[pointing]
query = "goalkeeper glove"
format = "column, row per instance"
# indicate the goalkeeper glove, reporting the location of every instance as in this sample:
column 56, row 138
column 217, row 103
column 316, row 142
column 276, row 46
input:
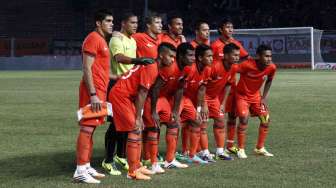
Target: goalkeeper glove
column 142, row 61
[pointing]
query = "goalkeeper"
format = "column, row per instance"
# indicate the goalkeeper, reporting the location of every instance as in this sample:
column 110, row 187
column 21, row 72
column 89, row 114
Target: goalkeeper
column 123, row 52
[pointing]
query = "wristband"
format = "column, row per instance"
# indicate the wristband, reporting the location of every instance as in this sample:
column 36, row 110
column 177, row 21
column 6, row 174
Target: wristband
column 93, row 94
column 198, row 109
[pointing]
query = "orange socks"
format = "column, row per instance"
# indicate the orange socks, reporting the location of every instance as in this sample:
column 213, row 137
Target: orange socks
column 195, row 133
column 204, row 142
column 231, row 132
column 133, row 150
column 242, row 135
column 152, row 145
column 219, row 134
column 171, row 141
column 185, row 138
column 146, row 152
column 263, row 131
column 84, row 145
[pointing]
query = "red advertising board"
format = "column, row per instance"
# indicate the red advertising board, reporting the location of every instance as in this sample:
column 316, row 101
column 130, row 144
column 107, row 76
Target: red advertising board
column 24, row 47
column 5, row 47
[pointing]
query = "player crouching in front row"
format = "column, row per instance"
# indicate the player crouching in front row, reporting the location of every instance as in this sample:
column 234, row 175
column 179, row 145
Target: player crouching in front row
column 250, row 100
column 128, row 97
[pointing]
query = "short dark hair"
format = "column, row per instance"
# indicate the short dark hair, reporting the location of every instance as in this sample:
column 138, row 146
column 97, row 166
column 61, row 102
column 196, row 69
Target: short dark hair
column 164, row 46
column 183, row 48
column 262, row 48
column 224, row 21
column 200, row 50
column 199, row 23
column 150, row 18
column 172, row 17
column 101, row 14
column 127, row 15
column 230, row 47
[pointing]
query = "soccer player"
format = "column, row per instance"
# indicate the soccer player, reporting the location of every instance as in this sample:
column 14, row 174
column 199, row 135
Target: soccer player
column 162, row 107
column 225, row 30
column 148, row 42
column 202, row 34
column 123, row 50
column 175, row 32
column 92, row 90
column 217, row 90
column 128, row 97
column 147, row 45
column 249, row 98
column 194, row 109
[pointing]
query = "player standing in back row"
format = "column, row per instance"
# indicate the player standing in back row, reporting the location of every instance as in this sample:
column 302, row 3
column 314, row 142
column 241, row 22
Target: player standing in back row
column 225, row 30
column 92, row 90
column 123, row 50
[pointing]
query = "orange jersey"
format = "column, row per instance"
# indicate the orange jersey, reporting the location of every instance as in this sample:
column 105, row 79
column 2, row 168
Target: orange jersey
column 146, row 45
column 219, row 78
column 95, row 45
column 194, row 43
column 218, row 46
column 139, row 75
column 166, row 38
column 171, row 75
column 194, row 80
column 252, row 79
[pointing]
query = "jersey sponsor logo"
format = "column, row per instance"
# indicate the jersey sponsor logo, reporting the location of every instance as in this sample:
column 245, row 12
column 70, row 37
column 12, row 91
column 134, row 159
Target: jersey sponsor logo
column 149, row 45
column 220, row 54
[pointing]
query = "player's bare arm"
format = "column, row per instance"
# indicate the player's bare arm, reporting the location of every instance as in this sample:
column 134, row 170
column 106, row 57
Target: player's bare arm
column 154, row 95
column 267, row 87
column 87, row 75
column 202, row 107
column 177, row 101
column 226, row 95
column 139, row 104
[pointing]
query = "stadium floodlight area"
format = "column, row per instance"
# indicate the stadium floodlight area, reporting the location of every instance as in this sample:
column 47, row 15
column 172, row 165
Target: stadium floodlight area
column 292, row 47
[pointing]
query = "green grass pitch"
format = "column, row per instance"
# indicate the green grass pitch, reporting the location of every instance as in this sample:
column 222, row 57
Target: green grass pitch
column 38, row 131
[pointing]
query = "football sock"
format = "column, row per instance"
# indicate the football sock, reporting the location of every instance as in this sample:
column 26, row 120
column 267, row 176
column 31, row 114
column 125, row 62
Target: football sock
column 231, row 132
column 219, row 134
column 133, row 145
column 152, row 145
column 171, row 141
column 195, row 133
column 146, row 153
column 263, row 131
column 204, row 142
column 242, row 135
column 121, row 144
column 84, row 146
column 110, row 142
column 185, row 138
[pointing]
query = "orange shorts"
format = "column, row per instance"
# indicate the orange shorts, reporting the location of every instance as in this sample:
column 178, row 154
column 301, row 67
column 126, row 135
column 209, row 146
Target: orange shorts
column 123, row 108
column 163, row 108
column 84, row 99
column 187, row 109
column 214, row 107
column 244, row 108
